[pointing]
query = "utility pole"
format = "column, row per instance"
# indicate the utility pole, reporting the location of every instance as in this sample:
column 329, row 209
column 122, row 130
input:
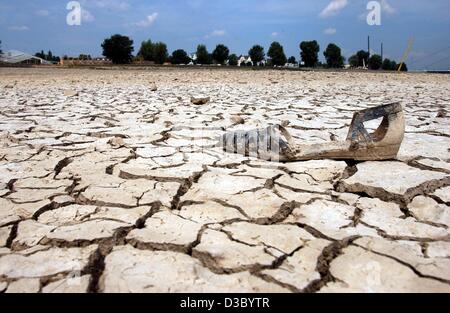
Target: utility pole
column 368, row 45
column 382, row 52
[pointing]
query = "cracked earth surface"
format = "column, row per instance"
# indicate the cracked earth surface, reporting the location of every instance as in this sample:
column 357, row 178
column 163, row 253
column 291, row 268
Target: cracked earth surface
column 109, row 183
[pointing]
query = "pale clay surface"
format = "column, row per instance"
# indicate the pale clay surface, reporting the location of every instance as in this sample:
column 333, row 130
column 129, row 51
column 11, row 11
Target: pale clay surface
column 109, row 183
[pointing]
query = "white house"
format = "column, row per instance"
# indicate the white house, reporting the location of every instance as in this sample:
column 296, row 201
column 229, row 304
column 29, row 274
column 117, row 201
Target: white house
column 243, row 60
column 291, row 65
column 18, row 57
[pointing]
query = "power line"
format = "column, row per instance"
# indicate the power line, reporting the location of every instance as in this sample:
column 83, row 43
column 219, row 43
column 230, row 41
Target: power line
column 426, row 57
column 434, row 63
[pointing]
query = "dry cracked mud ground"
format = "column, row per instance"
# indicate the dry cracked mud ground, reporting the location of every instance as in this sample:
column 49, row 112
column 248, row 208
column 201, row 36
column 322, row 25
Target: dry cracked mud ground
column 108, row 185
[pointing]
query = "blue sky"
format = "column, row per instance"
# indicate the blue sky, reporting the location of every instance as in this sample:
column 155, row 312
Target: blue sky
column 34, row 25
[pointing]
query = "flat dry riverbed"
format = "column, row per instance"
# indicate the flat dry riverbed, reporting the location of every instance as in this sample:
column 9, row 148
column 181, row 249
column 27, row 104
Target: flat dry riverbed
column 108, row 186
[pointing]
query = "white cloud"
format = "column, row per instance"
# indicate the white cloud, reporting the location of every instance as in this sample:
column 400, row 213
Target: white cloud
column 18, row 28
column 330, row 31
column 216, row 33
column 333, row 8
column 42, row 13
column 387, row 7
column 275, row 34
column 86, row 16
column 149, row 20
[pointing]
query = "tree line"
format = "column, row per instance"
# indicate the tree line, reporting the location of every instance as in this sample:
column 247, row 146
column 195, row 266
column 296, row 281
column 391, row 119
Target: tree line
column 83, row 57
column 48, row 57
column 119, row 49
column 374, row 62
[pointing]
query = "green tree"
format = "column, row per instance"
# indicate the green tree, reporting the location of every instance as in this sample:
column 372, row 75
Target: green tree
column 386, row 66
column 389, row 65
column 146, row 50
column 375, row 62
column 292, row 60
column 48, row 57
column 160, row 54
column 333, row 56
column 359, row 59
column 221, row 53
column 257, row 54
column 118, row 49
column 85, row 57
column 353, row 61
column 153, row 52
column 394, row 65
column 233, row 60
column 363, row 57
column 276, row 54
column 203, row 56
column 180, row 57
column 309, row 53
column 41, row 55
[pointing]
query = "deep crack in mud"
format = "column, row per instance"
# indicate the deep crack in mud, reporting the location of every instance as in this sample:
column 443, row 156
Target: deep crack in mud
column 120, row 188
